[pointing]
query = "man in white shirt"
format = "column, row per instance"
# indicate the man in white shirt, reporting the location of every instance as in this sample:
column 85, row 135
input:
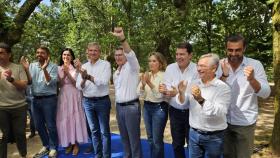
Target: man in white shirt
column 208, row 99
column 94, row 81
column 248, row 80
column 182, row 70
column 127, row 103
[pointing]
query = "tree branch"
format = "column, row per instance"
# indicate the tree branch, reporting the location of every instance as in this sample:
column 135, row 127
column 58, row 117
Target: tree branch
column 14, row 34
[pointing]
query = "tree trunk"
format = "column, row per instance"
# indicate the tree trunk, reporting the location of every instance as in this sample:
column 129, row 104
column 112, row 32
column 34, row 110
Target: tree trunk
column 12, row 34
column 275, row 141
column 163, row 45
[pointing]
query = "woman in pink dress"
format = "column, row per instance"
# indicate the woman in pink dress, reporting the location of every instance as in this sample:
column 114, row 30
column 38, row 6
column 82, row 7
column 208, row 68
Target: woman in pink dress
column 70, row 120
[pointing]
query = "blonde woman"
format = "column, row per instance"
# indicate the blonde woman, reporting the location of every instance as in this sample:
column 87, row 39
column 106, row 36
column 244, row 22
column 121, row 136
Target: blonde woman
column 155, row 109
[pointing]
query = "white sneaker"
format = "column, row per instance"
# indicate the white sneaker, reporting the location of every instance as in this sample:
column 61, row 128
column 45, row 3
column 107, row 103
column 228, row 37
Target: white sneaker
column 52, row 153
column 44, row 151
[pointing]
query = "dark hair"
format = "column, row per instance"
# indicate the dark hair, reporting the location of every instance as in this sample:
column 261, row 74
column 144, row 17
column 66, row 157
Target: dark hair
column 44, row 48
column 160, row 58
column 185, row 45
column 236, row 38
column 119, row 48
column 61, row 62
column 6, row 47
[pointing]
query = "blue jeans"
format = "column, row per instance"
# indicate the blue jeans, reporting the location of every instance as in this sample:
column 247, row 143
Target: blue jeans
column 98, row 117
column 44, row 113
column 155, row 118
column 206, row 145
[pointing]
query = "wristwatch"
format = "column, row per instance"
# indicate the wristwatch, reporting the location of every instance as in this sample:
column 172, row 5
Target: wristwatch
column 201, row 101
column 10, row 79
column 225, row 75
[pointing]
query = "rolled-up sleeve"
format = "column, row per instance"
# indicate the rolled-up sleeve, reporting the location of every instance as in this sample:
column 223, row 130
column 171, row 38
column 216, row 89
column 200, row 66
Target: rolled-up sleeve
column 104, row 78
column 133, row 61
column 220, row 104
column 261, row 77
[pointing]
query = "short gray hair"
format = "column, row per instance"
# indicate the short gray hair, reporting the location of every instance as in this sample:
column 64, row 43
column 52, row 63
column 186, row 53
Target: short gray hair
column 214, row 58
column 94, row 44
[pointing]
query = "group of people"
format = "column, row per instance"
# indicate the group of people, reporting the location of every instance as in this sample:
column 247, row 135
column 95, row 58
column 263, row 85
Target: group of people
column 212, row 105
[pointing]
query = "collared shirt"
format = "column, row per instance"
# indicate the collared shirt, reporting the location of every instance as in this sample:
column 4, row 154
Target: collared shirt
column 10, row 96
column 243, row 110
column 173, row 75
column 152, row 95
column 211, row 116
column 40, row 87
column 101, row 71
column 126, row 79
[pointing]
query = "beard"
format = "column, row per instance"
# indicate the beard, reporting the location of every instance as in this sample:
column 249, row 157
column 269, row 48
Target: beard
column 235, row 59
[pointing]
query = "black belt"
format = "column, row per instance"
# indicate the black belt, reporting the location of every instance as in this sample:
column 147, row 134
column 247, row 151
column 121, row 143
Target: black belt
column 44, row 96
column 207, row 132
column 153, row 103
column 179, row 110
column 97, row 98
column 129, row 102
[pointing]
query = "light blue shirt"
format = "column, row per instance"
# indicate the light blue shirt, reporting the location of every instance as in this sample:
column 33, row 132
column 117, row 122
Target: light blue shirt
column 40, row 87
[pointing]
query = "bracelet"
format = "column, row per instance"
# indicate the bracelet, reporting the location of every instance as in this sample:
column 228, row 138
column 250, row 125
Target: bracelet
column 123, row 40
column 225, row 75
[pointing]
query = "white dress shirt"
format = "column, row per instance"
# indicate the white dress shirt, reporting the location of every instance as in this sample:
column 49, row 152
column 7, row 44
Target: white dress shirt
column 152, row 95
column 211, row 116
column 101, row 71
column 243, row 110
column 126, row 79
column 173, row 75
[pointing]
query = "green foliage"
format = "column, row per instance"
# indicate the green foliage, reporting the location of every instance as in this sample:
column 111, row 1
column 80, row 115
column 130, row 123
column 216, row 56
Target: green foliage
column 148, row 24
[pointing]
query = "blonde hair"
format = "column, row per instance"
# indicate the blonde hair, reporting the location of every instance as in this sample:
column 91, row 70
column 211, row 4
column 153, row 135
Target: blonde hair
column 161, row 59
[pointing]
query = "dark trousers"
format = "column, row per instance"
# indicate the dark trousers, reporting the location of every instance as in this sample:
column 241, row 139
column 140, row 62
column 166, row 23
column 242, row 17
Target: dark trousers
column 13, row 121
column 179, row 123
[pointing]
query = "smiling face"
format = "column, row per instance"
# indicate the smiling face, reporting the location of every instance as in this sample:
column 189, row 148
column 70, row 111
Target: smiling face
column 206, row 70
column 67, row 57
column 93, row 53
column 41, row 55
column 235, row 51
column 154, row 64
column 183, row 58
column 120, row 57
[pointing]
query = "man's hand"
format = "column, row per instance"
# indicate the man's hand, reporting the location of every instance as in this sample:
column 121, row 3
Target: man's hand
column 7, row 73
column 172, row 93
column 46, row 63
column 196, row 92
column 84, row 75
column 225, row 67
column 249, row 73
column 24, row 62
column 118, row 32
column 77, row 64
column 182, row 86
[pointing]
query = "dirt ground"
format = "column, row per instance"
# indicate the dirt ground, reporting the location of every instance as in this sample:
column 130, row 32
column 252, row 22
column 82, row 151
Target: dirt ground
column 262, row 135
